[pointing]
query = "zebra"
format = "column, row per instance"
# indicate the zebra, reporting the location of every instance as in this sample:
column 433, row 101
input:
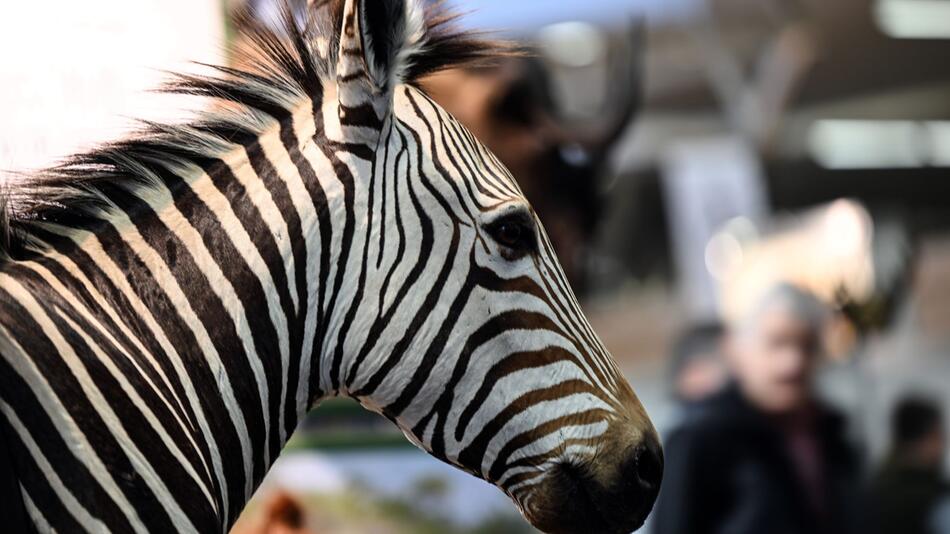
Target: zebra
column 172, row 304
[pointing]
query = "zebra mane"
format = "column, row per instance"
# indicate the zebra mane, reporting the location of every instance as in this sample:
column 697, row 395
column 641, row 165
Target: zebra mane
column 275, row 68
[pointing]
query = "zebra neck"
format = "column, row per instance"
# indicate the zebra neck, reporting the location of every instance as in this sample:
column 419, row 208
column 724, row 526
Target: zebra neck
column 221, row 285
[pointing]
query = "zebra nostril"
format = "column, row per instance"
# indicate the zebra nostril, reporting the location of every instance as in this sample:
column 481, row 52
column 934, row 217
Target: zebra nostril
column 649, row 462
column 646, row 466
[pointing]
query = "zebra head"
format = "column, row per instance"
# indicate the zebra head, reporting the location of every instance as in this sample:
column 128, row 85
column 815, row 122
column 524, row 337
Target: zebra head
column 460, row 326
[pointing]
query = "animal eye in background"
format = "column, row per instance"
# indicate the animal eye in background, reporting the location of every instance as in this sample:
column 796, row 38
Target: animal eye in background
column 574, row 155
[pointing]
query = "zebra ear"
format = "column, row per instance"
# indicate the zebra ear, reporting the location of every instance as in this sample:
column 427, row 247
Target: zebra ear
column 377, row 41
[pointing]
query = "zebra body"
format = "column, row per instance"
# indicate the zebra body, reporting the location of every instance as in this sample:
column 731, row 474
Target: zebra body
column 172, row 305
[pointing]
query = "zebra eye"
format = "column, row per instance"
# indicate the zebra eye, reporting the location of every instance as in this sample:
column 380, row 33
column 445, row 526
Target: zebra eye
column 508, row 234
column 514, row 232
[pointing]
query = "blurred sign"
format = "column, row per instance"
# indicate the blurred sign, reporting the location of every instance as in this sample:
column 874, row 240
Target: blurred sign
column 75, row 73
column 707, row 183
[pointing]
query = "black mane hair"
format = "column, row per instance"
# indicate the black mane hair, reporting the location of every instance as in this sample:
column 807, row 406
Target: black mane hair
column 275, row 69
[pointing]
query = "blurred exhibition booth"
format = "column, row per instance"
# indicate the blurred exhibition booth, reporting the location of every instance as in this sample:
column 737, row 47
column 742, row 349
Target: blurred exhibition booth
column 684, row 154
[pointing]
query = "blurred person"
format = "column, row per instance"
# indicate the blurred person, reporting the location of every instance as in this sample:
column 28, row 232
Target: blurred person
column 764, row 455
column 909, row 493
column 697, row 369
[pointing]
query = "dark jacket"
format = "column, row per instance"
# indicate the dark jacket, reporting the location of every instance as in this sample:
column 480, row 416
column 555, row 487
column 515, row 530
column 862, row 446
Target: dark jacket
column 904, row 498
column 728, row 472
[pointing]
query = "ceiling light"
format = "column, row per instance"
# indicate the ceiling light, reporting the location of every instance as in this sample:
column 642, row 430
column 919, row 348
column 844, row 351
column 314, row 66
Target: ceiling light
column 914, row 19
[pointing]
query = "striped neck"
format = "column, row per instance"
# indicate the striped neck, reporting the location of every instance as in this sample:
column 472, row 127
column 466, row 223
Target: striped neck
column 230, row 282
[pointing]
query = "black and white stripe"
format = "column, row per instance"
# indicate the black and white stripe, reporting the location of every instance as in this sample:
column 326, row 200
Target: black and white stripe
column 173, row 304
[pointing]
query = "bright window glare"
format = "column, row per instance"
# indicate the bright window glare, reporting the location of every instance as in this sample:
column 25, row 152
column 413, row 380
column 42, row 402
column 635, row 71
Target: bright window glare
column 74, row 74
column 914, row 19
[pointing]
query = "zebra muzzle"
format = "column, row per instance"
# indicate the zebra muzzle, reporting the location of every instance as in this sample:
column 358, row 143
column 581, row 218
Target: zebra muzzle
column 573, row 499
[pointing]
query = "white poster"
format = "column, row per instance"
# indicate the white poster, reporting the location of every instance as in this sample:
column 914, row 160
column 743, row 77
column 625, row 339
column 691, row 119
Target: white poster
column 707, row 182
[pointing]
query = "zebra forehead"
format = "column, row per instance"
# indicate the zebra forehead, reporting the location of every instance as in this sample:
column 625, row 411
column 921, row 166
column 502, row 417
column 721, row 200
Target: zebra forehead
column 462, row 151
